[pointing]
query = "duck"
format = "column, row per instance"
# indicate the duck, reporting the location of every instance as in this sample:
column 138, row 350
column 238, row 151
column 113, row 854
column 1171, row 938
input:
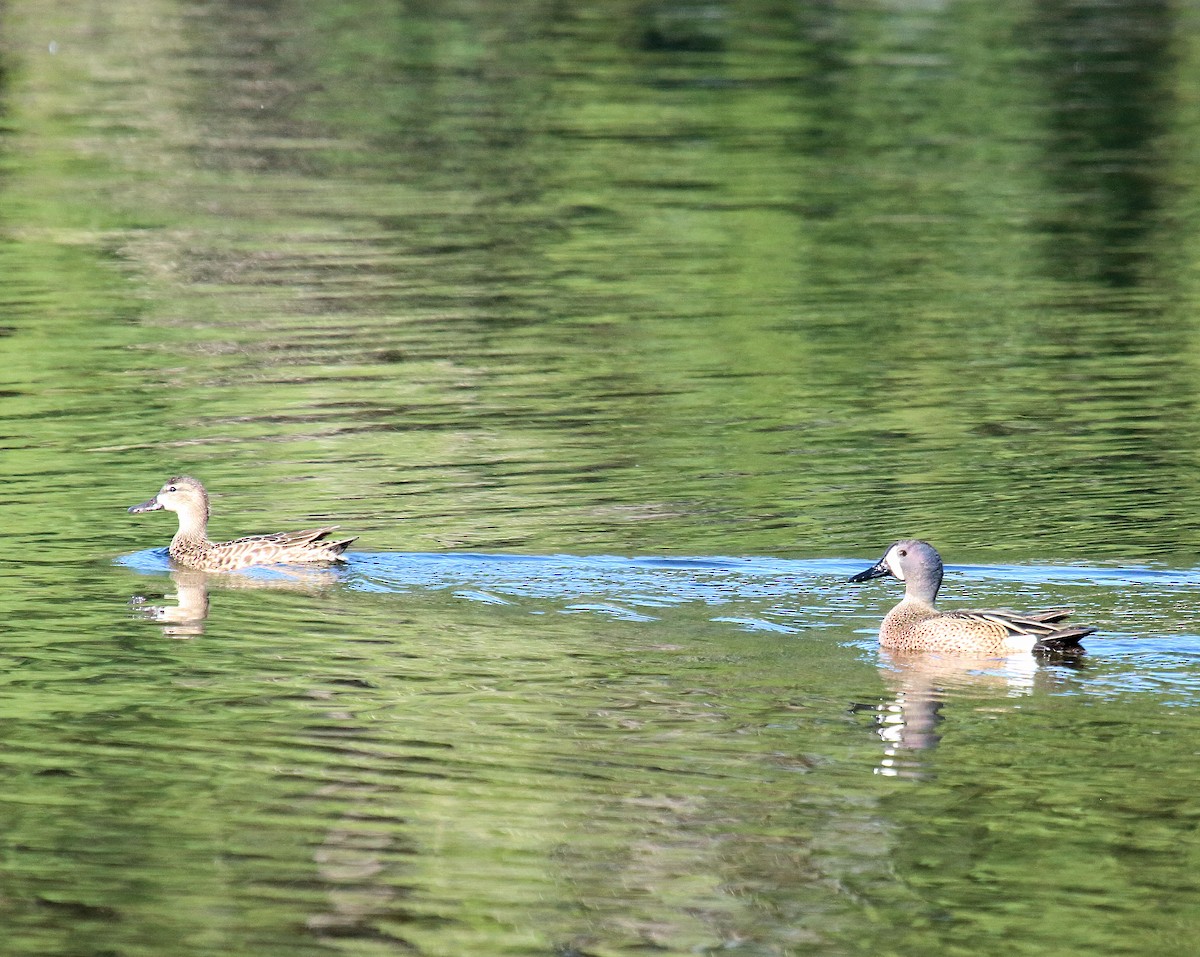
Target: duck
column 916, row 625
column 187, row 497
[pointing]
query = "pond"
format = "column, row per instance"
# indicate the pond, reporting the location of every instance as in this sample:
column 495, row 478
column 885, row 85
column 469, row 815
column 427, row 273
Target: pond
column 621, row 335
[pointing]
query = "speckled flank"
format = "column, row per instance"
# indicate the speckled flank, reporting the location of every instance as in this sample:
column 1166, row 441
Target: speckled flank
column 187, row 497
column 916, row 625
column 282, row 548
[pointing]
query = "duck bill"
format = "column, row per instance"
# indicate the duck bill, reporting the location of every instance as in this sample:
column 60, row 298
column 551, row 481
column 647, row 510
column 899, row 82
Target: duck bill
column 151, row 506
column 878, row 570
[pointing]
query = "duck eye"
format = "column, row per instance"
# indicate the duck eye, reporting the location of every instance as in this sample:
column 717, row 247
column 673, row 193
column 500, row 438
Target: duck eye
column 902, row 553
column 172, row 488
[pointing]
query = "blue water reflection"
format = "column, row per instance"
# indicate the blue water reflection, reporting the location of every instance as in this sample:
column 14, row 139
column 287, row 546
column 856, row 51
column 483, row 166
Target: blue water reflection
column 770, row 594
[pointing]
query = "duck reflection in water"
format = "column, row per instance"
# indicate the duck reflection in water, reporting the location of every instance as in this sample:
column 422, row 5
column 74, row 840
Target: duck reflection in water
column 185, row 618
column 924, row 687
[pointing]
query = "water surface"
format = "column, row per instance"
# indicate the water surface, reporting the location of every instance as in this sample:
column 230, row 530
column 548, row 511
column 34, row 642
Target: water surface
column 621, row 335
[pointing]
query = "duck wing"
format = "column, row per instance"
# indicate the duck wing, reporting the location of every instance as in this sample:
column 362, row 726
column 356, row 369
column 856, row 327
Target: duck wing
column 1042, row 626
column 309, row 545
column 301, row 539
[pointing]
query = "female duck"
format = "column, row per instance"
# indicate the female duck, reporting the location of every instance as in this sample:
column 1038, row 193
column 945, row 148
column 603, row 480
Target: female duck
column 916, row 625
column 187, row 498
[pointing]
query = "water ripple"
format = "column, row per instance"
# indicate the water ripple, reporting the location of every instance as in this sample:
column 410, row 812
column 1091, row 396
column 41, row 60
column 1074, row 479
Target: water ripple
column 1140, row 610
column 662, row 582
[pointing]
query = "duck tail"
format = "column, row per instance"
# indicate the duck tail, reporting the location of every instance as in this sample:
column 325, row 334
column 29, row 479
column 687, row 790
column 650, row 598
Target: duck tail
column 1065, row 641
column 340, row 546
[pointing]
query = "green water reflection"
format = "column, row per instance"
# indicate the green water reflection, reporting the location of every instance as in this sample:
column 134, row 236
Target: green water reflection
column 661, row 279
column 839, row 255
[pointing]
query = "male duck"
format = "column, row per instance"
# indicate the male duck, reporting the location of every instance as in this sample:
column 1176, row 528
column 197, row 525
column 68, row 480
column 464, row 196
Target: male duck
column 915, row 625
column 186, row 497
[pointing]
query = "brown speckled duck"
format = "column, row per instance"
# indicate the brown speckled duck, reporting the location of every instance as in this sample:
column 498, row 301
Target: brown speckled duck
column 187, row 498
column 916, row 625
